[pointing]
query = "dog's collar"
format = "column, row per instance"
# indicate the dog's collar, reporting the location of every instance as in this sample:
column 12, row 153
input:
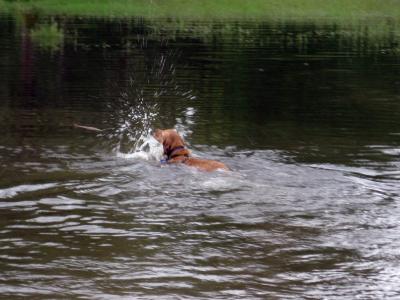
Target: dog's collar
column 170, row 153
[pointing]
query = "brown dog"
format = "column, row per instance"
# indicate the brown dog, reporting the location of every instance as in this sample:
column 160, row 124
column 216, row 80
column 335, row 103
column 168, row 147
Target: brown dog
column 176, row 152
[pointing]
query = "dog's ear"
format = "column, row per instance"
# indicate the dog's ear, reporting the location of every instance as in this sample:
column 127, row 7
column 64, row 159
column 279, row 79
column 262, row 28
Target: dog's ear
column 172, row 139
column 176, row 139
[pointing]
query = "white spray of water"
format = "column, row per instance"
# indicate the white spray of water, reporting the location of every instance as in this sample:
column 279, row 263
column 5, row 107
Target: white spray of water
column 150, row 149
column 144, row 101
column 184, row 123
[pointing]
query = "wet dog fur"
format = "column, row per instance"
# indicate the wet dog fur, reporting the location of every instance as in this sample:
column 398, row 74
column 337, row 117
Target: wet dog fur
column 175, row 151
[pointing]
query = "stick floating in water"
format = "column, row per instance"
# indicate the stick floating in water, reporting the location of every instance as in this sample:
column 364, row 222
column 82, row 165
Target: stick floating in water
column 87, row 127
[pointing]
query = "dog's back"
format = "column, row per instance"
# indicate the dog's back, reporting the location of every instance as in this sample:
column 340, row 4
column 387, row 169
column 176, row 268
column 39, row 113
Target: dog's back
column 206, row 164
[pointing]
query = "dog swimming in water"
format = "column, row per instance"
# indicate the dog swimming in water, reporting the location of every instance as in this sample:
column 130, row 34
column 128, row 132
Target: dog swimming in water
column 175, row 152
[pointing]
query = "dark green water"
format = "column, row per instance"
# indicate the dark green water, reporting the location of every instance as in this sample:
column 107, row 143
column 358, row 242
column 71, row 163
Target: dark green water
column 307, row 116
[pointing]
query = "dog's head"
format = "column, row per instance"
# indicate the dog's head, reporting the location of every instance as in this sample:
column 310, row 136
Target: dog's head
column 169, row 138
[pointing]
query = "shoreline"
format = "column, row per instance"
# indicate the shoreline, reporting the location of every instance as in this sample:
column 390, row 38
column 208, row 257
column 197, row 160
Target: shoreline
column 285, row 10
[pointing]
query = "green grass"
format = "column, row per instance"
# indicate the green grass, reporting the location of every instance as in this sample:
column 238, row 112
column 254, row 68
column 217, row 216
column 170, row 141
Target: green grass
column 379, row 19
column 48, row 36
column 215, row 9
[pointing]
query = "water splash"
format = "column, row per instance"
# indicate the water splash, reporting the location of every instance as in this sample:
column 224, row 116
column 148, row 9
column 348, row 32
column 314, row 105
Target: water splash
column 184, row 123
column 150, row 149
column 147, row 100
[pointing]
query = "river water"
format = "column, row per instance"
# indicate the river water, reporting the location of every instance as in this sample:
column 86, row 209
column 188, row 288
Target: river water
column 307, row 116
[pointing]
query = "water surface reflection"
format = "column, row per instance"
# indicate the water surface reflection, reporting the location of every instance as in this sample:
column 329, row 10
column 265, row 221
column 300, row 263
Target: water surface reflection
column 305, row 116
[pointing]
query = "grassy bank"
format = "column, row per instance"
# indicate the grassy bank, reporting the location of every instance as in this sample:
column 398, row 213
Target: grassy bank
column 47, row 36
column 212, row 9
column 375, row 22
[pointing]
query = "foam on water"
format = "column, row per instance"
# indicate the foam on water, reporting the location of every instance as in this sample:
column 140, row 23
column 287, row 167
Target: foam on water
column 149, row 149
